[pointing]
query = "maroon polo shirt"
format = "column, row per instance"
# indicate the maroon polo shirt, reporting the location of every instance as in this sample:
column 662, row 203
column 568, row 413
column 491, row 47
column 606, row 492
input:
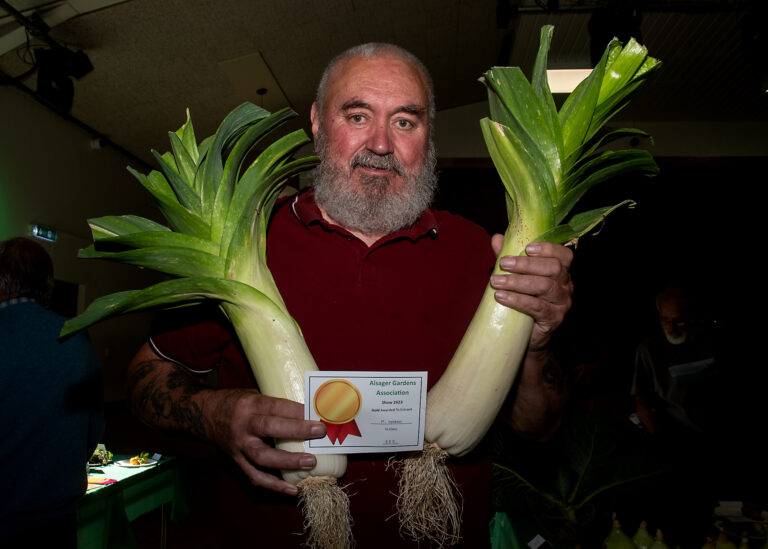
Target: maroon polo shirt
column 403, row 304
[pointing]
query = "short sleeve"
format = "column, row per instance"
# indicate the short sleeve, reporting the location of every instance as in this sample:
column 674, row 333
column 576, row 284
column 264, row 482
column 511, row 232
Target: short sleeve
column 200, row 339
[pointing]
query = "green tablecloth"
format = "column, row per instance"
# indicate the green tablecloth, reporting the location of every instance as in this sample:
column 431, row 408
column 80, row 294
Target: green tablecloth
column 105, row 513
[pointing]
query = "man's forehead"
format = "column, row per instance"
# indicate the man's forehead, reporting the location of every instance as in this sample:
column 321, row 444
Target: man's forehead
column 351, row 78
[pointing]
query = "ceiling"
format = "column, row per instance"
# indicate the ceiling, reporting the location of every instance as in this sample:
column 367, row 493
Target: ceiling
column 152, row 60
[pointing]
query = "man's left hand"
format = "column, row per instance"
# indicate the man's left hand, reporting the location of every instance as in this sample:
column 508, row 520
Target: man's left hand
column 537, row 284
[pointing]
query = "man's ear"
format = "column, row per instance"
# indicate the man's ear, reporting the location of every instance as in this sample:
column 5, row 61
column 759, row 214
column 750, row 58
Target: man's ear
column 314, row 117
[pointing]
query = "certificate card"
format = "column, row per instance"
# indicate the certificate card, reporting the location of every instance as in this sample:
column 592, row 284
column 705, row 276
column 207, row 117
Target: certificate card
column 366, row 412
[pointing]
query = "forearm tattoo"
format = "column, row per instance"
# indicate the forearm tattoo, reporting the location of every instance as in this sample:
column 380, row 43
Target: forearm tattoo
column 166, row 399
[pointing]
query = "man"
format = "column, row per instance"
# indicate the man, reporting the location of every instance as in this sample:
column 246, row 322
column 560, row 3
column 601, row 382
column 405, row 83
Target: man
column 50, row 406
column 377, row 281
column 676, row 377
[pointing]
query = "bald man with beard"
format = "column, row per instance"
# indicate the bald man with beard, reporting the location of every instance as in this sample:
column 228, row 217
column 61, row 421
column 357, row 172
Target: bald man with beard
column 378, row 281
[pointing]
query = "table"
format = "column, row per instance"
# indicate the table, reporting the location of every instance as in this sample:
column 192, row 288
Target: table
column 105, row 512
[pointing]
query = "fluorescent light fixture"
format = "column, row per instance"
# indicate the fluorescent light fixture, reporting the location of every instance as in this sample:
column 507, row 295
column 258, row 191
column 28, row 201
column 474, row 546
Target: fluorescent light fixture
column 565, row 80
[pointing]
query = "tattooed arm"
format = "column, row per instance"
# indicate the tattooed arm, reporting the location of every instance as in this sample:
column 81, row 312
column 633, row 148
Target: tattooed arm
column 237, row 420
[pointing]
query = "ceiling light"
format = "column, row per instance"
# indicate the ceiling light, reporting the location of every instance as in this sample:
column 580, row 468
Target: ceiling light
column 565, row 80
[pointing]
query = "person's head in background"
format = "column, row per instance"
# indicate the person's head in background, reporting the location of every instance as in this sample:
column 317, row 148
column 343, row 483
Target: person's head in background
column 673, row 307
column 26, row 270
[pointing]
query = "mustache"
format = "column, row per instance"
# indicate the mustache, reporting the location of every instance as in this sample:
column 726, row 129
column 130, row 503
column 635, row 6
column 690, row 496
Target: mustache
column 368, row 159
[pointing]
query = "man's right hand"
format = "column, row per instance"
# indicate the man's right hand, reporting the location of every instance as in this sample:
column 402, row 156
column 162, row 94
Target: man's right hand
column 237, row 420
column 243, row 418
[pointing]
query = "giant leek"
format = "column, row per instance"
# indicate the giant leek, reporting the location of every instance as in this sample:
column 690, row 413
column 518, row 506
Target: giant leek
column 546, row 159
column 217, row 208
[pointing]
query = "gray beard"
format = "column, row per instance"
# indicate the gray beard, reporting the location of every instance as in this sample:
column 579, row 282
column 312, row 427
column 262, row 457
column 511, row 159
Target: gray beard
column 378, row 209
column 676, row 339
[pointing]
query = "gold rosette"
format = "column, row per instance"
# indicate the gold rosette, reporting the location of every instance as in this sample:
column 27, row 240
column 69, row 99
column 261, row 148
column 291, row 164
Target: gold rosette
column 337, row 402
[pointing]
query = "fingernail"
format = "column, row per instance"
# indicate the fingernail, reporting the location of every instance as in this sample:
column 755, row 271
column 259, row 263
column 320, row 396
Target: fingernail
column 508, row 262
column 533, row 248
column 496, row 280
column 317, row 430
column 307, row 462
column 292, row 491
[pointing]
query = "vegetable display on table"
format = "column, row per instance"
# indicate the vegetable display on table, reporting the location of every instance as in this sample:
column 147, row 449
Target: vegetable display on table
column 217, row 209
column 101, row 457
column 547, row 160
column 140, row 459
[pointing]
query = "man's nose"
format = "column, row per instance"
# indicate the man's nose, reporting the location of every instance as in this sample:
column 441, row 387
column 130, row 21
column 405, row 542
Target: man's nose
column 379, row 141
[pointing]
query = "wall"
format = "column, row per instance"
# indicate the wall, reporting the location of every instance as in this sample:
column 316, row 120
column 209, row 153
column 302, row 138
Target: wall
column 49, row 174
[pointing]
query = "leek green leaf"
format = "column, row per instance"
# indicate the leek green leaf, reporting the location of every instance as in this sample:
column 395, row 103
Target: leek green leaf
column 520, row 107
column 165, row 259
column 178, row 217
column 621, row 69
column 618, row 163
column 156, row 238
column 114, row 225
column 167, row 293
column 186, row 133
column 252, row 181
column 185, row 164
column 156, row 184
column 230, row 267
column 525, row 176
column 547, row 162
column 579, row 225
column 233, row 125
column 578, row 109
column 233, row 167
column 185, row 194
column 604, row 138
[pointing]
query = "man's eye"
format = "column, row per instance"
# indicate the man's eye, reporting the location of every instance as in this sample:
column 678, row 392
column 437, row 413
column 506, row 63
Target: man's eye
column 404, row 124
column 357, row 118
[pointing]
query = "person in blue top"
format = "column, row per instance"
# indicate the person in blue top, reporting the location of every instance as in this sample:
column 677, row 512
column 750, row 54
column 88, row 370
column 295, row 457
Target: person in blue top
column 51, row 413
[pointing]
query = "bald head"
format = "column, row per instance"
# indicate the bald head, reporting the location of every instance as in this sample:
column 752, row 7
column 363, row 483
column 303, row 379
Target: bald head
column 376, row 50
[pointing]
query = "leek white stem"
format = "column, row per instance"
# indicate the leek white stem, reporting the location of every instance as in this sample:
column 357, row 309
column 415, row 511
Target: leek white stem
column 479, row 376
column 279, row 357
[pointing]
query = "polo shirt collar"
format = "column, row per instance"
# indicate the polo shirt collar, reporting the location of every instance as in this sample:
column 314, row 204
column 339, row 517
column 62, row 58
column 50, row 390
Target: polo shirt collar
column 305, row 209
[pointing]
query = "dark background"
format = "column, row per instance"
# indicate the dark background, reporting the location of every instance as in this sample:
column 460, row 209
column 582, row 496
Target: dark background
column 695, row 223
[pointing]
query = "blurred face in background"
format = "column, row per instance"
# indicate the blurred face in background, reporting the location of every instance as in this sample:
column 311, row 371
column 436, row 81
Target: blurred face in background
column 673, row 322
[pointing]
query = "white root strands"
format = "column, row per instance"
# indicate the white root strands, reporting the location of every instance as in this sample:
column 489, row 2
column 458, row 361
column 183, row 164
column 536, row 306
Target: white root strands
column 429, row 502
column 327, row 521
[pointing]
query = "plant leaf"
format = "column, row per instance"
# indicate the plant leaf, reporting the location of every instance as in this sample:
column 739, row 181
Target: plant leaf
column 233, row 125
column 607, row 166
column 525, row 176
column 166, row 238
column 580, row 224
column 578, row 109
column 251, row 190
column 114, row 225
column 602, row 139
column 185, row 164
column 252, row 136
column 187, row 135
column 169, row 293
column 185, row 194
column 166, row 259
column 179, row 218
